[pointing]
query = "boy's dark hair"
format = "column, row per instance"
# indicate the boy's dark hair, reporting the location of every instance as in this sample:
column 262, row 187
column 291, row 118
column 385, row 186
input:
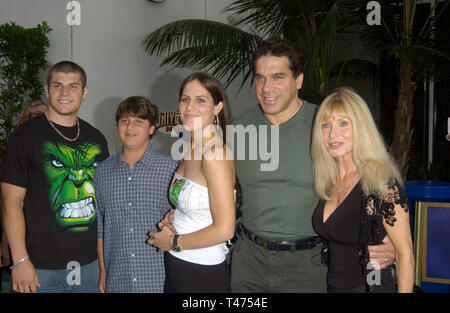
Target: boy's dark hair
column 67, row 67
column 140, row 107
column 280, row 47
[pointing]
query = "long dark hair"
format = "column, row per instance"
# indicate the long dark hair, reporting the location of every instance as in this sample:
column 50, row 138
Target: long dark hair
column 217, row 92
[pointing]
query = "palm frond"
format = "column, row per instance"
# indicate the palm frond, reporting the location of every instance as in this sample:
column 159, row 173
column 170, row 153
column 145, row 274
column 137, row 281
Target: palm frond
column 202, row 44
column 226, row 50
column 430, row 62
column 356, row 69
column 332, row 19
column 391, row 30
column 432, row 18
column 263, row 16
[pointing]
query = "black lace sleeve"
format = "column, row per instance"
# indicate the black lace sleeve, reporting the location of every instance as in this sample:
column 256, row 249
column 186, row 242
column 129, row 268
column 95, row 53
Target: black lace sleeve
column 396, row 196
column 384, row 205
column 375, row 208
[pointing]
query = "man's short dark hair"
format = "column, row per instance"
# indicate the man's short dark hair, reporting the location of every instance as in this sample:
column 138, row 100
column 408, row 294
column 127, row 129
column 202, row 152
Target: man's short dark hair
column 140, row 107
column 67, row 67
column 280, row 47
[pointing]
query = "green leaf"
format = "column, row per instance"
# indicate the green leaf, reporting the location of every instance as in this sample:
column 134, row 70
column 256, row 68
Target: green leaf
column 203, row 44
column 23, row 54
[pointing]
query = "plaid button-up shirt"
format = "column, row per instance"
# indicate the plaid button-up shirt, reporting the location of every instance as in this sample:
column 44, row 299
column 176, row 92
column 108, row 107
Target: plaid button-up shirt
column 130, row 203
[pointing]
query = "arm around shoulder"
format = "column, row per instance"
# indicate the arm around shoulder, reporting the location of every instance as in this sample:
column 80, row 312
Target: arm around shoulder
column 220, row 178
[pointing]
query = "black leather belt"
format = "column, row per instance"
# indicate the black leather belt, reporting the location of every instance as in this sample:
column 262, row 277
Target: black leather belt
column 282, row 245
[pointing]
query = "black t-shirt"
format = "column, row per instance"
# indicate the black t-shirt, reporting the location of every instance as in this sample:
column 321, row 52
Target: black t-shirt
column 59, row 205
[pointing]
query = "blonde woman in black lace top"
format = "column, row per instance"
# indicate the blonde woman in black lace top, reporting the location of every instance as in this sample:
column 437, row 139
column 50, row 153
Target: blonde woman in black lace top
column 362, row 197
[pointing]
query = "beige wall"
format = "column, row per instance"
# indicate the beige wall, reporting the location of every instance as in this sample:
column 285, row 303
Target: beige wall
column 108, row 45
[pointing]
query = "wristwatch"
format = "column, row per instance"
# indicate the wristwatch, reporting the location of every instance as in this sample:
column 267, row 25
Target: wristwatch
column 175, row 246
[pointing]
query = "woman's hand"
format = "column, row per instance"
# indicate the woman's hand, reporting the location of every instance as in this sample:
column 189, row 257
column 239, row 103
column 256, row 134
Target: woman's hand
column 167, row 221
column 163, row 239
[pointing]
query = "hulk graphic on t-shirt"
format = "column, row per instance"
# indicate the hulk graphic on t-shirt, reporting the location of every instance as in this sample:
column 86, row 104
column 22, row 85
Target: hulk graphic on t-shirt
column 69, row 172
column 175, row 189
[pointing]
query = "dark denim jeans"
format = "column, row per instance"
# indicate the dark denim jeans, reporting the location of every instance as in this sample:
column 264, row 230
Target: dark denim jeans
column 83, row 279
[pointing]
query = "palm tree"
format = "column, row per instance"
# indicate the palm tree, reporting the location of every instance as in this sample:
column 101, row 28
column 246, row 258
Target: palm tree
column 420, row 55
column 225, row 50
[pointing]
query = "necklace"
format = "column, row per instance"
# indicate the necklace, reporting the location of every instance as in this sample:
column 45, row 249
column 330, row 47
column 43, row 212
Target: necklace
column 68, row 139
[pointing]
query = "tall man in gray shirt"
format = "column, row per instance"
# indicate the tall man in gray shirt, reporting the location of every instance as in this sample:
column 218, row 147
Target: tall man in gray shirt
column 278, row 251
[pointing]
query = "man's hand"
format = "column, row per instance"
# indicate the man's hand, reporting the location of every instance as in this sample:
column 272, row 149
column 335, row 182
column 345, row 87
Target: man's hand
column 167, row 221
column 383, row 254
column 162, row 240
column 24, row 278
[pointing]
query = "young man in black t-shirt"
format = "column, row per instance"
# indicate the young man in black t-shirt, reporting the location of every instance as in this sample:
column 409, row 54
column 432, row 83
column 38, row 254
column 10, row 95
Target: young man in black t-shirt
column 48, row 191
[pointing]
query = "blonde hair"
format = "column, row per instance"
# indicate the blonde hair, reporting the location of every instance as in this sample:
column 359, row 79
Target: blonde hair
column 373, row 162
